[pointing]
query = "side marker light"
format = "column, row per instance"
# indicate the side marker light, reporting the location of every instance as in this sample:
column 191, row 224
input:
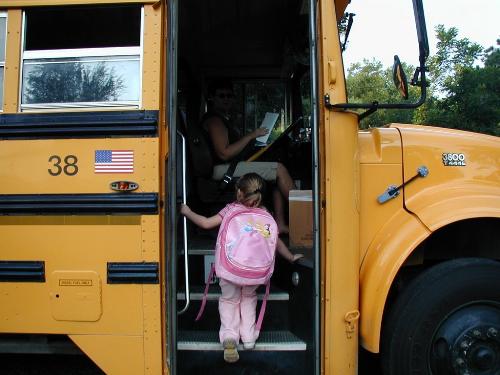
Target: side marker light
column 123, row 186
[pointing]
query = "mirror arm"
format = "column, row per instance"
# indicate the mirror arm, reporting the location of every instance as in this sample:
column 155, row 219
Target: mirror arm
column 348, row 30
column 368, row 112
column 414, row 81
column 423, row 45
column 373, row 106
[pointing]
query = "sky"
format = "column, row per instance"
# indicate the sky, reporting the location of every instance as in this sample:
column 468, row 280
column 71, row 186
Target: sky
column 383, row 28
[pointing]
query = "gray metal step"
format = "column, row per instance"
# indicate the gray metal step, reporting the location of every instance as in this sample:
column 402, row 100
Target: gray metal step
column 199, row 252
column 268, row 341
column 196, row 293
column 199, row 246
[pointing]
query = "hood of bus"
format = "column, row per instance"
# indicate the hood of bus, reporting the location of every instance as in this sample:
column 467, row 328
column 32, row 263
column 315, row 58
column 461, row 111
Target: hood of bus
column 463, row 177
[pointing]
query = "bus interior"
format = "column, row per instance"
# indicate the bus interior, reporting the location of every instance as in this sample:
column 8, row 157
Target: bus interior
column 263, row 48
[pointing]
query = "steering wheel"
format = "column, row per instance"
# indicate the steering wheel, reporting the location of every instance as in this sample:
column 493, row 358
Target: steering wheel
column 277, row 141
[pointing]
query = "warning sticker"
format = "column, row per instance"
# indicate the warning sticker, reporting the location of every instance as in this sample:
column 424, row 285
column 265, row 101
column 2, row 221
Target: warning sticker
column 75, row 282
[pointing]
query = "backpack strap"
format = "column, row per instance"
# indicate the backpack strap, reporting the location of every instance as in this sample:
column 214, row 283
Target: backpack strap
column 204, row 300
column 263, row 306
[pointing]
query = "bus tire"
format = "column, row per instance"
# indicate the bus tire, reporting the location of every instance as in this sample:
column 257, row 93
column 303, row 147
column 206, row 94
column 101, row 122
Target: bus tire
column 447, row 321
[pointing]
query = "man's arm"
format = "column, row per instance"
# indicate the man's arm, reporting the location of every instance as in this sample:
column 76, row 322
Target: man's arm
column 220, row 139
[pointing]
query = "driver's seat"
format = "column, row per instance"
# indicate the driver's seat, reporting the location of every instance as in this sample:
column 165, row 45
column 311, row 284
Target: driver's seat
column 201, row 166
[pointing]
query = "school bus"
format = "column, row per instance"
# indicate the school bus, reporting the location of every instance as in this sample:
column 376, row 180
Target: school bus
column 101, row 100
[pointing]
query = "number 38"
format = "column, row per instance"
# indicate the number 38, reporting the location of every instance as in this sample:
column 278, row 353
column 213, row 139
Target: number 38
column 69, row 168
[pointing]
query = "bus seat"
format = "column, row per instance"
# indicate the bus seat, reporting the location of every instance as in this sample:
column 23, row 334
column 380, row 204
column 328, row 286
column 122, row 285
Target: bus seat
column 201, row 166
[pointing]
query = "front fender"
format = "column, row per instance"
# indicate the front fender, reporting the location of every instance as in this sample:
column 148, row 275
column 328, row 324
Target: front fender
column 448, row 194
column 452, row 202
column 396, row 241
column 388, row 251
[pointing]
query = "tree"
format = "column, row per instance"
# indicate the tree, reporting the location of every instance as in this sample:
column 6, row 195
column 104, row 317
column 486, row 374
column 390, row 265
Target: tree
column 474, row 98
column 452, row 56
column 462, row 96
column 369, row 81
column 71, row 82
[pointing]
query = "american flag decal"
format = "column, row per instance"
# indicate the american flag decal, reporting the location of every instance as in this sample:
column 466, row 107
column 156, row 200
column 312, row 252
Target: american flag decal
column 114, row 161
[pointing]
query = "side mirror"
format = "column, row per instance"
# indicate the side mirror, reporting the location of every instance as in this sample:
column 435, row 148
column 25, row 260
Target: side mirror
column 399, row 78
column 398, row 74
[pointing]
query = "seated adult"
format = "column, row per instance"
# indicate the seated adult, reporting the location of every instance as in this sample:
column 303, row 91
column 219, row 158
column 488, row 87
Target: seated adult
column 226, row 144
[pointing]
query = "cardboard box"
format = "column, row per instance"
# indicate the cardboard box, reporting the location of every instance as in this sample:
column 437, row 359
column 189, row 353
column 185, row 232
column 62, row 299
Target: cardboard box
column 300, row 219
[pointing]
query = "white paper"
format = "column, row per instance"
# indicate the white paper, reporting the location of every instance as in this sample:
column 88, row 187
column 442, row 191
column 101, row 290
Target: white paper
column 268, row 123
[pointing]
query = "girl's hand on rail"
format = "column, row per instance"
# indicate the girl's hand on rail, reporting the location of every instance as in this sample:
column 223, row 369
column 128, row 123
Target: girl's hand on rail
column 185, row 210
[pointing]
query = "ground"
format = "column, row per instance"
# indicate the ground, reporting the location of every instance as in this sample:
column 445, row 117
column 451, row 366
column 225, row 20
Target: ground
column 79, row 365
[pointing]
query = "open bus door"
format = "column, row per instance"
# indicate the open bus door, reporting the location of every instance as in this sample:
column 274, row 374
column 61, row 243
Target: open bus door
column 290, row 339
column 339, row 186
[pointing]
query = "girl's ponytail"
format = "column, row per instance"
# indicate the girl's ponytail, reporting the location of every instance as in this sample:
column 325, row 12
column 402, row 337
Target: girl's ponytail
column 251, row 187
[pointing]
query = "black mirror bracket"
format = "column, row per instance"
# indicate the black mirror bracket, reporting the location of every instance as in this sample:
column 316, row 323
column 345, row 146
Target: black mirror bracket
column 415, row 79
column 369, row 111
column 373, row 106
column 418, row 78
column 370, row 108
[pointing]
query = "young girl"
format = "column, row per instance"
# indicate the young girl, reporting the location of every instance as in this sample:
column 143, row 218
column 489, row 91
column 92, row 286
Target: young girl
column 237, row 303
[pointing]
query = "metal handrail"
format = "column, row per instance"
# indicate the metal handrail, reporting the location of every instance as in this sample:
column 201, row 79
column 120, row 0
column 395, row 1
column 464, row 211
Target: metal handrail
column 184, row 223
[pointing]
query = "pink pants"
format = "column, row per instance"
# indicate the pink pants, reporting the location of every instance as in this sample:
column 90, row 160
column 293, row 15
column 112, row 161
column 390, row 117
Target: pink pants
column 237, row 306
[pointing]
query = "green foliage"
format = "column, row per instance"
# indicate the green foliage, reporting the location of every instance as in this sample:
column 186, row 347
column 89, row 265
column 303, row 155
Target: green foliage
column 461, row 95
column 465, row 97
column 474, row 101
column 452, row 56
column 71, row 82
column 369, row 81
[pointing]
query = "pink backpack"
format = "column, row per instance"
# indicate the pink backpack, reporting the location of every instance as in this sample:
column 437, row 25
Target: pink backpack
column 246, row 245
column 245, row 250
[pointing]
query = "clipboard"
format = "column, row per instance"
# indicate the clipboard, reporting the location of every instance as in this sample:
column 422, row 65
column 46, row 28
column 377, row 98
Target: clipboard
column 269, row 121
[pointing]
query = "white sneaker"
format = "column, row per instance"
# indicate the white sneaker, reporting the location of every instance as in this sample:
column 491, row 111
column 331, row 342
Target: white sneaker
column 249, row 345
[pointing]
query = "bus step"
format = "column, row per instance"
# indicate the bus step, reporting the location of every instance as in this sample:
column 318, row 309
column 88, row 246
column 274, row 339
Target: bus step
column 199, row 246
column 198, row 251
column 268, row 341
column 196, row 294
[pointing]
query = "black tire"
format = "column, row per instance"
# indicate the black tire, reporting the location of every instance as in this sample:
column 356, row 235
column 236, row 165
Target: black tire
column 446, row 322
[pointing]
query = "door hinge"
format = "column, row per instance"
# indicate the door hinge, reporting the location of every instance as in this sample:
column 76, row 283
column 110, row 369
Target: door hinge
column 351, row 322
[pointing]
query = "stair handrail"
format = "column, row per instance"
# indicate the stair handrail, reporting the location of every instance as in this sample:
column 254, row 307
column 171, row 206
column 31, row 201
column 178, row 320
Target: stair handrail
column 184, row 224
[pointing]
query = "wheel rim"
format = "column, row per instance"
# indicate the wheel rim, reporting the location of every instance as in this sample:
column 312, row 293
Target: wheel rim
column 467, row 342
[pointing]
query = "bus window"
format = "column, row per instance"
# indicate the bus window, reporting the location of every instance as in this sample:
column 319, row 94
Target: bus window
column 254, row 98
column 67, row 63
column 3, row 33
column 305, row 97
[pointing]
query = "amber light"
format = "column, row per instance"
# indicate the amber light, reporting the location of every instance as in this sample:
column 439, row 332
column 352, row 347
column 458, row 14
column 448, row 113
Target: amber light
column 123, row 186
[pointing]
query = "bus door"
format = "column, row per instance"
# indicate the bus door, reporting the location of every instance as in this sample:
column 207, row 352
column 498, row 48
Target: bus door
column 239, row 40
column 339, row 186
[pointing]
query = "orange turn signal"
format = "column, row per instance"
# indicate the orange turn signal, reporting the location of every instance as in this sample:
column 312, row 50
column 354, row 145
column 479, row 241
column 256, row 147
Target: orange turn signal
column 123, row 186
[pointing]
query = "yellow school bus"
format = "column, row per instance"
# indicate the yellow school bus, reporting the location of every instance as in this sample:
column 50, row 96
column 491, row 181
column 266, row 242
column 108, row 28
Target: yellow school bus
column 100, row 105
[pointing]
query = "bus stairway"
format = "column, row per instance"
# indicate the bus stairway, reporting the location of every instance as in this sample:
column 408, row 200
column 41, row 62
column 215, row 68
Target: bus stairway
column 206, row 335
column 278, row 346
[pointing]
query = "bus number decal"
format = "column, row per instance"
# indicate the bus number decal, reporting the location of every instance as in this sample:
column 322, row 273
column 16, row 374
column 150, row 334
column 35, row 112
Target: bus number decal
column 69, row 167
